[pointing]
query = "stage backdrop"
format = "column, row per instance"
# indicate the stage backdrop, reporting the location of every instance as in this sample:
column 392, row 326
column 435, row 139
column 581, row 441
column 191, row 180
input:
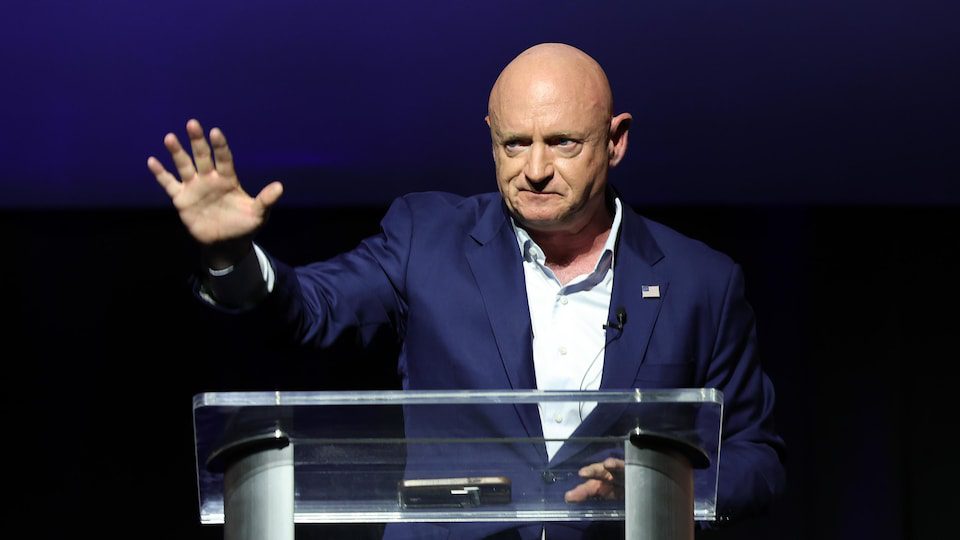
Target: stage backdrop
column 745, row 101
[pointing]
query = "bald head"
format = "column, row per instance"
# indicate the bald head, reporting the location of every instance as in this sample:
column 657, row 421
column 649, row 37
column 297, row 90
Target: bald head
column 553, row 71
column 554, row 137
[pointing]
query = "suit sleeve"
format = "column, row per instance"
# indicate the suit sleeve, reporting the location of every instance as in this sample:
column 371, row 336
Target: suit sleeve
column 751, row 471
column 361, row 290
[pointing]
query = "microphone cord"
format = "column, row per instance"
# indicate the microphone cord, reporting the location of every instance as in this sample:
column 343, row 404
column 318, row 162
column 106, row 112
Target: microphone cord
column 621, row 320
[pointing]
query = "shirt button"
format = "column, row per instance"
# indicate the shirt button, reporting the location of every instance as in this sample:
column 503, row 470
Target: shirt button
column 563, row 300
column 563, row 350
column 558, row 418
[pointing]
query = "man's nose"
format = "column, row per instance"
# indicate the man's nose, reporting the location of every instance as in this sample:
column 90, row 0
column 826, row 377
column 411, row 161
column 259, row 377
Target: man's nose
column 539, row 167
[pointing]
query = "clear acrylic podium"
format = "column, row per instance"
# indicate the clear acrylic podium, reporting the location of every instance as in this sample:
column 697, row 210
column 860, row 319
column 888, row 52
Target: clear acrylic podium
column 266, row 460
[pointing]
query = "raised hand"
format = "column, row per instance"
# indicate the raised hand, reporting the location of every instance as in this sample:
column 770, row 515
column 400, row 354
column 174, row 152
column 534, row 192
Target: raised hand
column 604, row 481
column 216, row 210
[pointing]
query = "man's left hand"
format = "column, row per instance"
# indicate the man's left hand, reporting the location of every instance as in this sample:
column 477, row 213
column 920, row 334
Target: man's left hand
column 604, row 482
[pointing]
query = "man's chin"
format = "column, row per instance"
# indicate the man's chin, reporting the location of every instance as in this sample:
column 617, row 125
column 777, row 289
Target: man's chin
column 541, row 213
column 541, row 221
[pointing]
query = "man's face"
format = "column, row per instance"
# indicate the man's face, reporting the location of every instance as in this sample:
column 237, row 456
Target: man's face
column 550, row 147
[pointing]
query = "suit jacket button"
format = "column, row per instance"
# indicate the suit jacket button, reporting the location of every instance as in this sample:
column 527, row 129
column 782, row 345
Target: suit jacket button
column 549, row 477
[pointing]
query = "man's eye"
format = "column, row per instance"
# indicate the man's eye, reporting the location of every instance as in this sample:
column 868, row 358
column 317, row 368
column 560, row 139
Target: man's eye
column 565, row 142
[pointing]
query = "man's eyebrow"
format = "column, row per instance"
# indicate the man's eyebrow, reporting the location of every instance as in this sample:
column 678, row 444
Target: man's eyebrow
column 565, row 135
column 510, row 136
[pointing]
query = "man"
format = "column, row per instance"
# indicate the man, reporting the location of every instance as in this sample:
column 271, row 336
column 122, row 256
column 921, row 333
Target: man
column 514, row 289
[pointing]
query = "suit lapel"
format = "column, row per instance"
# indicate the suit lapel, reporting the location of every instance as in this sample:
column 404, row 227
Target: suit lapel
column 497, row 267
column 636, row 255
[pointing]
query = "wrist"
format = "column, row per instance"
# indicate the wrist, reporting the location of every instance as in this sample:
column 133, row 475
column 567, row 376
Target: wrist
column 226, row 254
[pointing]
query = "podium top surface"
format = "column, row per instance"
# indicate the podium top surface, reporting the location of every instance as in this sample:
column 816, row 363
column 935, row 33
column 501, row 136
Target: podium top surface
column 413, row 397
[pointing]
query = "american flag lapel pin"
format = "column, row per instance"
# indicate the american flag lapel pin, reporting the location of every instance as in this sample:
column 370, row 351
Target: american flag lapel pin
column 650, row 291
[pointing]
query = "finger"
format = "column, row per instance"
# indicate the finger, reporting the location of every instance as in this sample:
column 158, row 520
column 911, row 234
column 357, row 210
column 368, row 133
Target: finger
column 613, row 465
column 181, row 159
column 584, row 491
column 164, row 178
column 269, row 195
column 201, row 150
column 596, row 470
column 221, row 153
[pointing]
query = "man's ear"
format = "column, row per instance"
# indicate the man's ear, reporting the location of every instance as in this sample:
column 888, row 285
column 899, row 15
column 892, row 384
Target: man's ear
column 487, row 120
column 619, row 128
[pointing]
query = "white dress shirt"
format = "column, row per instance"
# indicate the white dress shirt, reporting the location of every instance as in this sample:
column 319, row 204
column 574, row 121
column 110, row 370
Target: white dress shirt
column 568, row 334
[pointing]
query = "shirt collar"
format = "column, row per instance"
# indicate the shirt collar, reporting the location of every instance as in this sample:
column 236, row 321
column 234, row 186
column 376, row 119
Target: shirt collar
column 532, row 252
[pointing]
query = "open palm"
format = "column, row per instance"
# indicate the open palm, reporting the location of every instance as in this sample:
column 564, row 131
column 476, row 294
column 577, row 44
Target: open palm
column 213, row 206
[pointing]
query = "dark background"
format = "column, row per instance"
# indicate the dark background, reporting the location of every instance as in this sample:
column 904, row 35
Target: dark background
column 106, row 347
column 815, row 142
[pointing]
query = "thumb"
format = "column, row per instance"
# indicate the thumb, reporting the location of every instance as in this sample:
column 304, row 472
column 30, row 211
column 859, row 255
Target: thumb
column 269, row 195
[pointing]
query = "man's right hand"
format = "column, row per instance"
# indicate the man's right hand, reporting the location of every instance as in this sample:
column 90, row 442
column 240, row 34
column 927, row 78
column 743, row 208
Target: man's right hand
column 216, row 210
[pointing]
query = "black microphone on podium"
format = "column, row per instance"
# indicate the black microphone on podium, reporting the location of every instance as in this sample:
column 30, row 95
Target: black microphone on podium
column 621, row 320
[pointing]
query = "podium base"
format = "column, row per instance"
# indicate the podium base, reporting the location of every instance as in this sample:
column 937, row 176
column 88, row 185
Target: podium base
column 658, row 489
column 258, row 496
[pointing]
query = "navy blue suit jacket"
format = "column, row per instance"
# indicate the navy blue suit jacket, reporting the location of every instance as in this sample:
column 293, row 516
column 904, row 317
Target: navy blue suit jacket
column 446, row 273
